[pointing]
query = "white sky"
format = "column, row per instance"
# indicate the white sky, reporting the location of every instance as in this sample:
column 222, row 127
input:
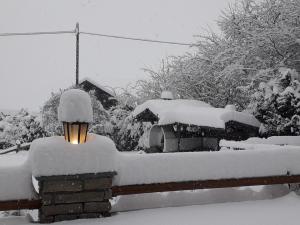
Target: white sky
column 32, row 67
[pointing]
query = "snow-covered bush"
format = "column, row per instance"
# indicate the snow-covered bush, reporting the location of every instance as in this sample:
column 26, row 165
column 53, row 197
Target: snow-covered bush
column 21, row 126
column 277, row 104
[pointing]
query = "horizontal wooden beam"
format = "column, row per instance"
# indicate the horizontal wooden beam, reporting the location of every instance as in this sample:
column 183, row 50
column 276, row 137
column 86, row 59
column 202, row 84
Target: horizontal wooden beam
column 20, row 204
column 203, row 184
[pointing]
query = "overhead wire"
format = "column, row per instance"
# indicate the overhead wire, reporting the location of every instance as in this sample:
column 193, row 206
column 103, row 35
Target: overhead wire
column 36, row 33
column 136, row 39
column 96, row 34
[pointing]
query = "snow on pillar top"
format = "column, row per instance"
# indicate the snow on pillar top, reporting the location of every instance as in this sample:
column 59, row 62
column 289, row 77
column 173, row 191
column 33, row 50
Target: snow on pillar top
column 167, row 95
column 75, row 106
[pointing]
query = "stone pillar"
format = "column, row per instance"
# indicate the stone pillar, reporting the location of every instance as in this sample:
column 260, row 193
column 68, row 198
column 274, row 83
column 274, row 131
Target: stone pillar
column 69, row 197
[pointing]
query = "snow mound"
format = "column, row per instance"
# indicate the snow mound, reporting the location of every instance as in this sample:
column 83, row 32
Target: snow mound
column 194, row 112
column 188, row 166
column 275, row 140
column 75, row 106
column 55, row 156
column 15, row 177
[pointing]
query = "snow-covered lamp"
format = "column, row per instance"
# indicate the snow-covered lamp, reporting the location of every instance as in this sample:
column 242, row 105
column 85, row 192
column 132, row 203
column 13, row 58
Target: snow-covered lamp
column 75, row 112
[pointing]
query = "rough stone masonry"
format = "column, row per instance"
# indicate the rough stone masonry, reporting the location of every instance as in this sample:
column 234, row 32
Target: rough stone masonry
column 68, row 197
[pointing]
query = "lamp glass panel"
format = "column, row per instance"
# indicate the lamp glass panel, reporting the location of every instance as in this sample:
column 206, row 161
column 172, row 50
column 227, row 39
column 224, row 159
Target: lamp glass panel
column 66, row 131
column 83, row 132
column 75, row 133
column 74, row 129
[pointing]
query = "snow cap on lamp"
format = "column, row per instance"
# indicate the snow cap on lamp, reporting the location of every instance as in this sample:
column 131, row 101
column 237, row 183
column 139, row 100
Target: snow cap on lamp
column 75, row 106
column 75, row 111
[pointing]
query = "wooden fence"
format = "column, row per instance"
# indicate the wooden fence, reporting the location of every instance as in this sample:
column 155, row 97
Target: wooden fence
column 20, row 204
column 203, row 184
column 167, row 187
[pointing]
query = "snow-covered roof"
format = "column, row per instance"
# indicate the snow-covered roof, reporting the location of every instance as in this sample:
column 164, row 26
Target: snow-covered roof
column 108, row 91
column 75, row 106
column 193, row 112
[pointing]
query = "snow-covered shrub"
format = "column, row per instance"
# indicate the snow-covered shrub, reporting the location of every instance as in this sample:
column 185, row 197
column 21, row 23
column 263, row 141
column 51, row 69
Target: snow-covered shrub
column 21, row 126
column 277, row 104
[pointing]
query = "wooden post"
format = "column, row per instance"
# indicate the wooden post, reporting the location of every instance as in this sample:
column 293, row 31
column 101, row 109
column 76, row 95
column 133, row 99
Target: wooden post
column 18, row 146
column 77, row 53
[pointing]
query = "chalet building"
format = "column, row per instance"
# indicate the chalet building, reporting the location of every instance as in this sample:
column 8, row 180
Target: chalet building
column 103, row 94
column 191, row 125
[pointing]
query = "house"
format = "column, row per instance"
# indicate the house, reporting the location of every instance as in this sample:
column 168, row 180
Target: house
column 103, row 94
column 191, row 125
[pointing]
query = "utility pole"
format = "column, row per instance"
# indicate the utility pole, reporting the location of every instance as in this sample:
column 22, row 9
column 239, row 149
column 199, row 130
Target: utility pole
column 77, row 53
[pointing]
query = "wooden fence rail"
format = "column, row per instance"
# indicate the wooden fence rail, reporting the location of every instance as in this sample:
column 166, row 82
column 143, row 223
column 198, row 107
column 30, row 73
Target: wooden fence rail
column 203, row 184
column 166, row 187
column 20, row 204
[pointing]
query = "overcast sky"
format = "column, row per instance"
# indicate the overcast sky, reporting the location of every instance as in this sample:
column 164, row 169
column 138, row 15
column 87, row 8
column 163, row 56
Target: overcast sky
column 32, row 67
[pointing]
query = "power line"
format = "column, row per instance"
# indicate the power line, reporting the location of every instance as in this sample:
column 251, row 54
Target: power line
column 95, row 34
column 36, row 33
column 138, row 39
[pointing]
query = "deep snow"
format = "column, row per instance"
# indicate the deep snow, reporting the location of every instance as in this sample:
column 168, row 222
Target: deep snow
column 55, row 156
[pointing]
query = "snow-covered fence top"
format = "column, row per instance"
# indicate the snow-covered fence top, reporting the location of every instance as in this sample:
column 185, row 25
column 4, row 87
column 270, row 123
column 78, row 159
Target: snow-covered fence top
column 55, row 156
column 193, row 112
column 192, row 166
